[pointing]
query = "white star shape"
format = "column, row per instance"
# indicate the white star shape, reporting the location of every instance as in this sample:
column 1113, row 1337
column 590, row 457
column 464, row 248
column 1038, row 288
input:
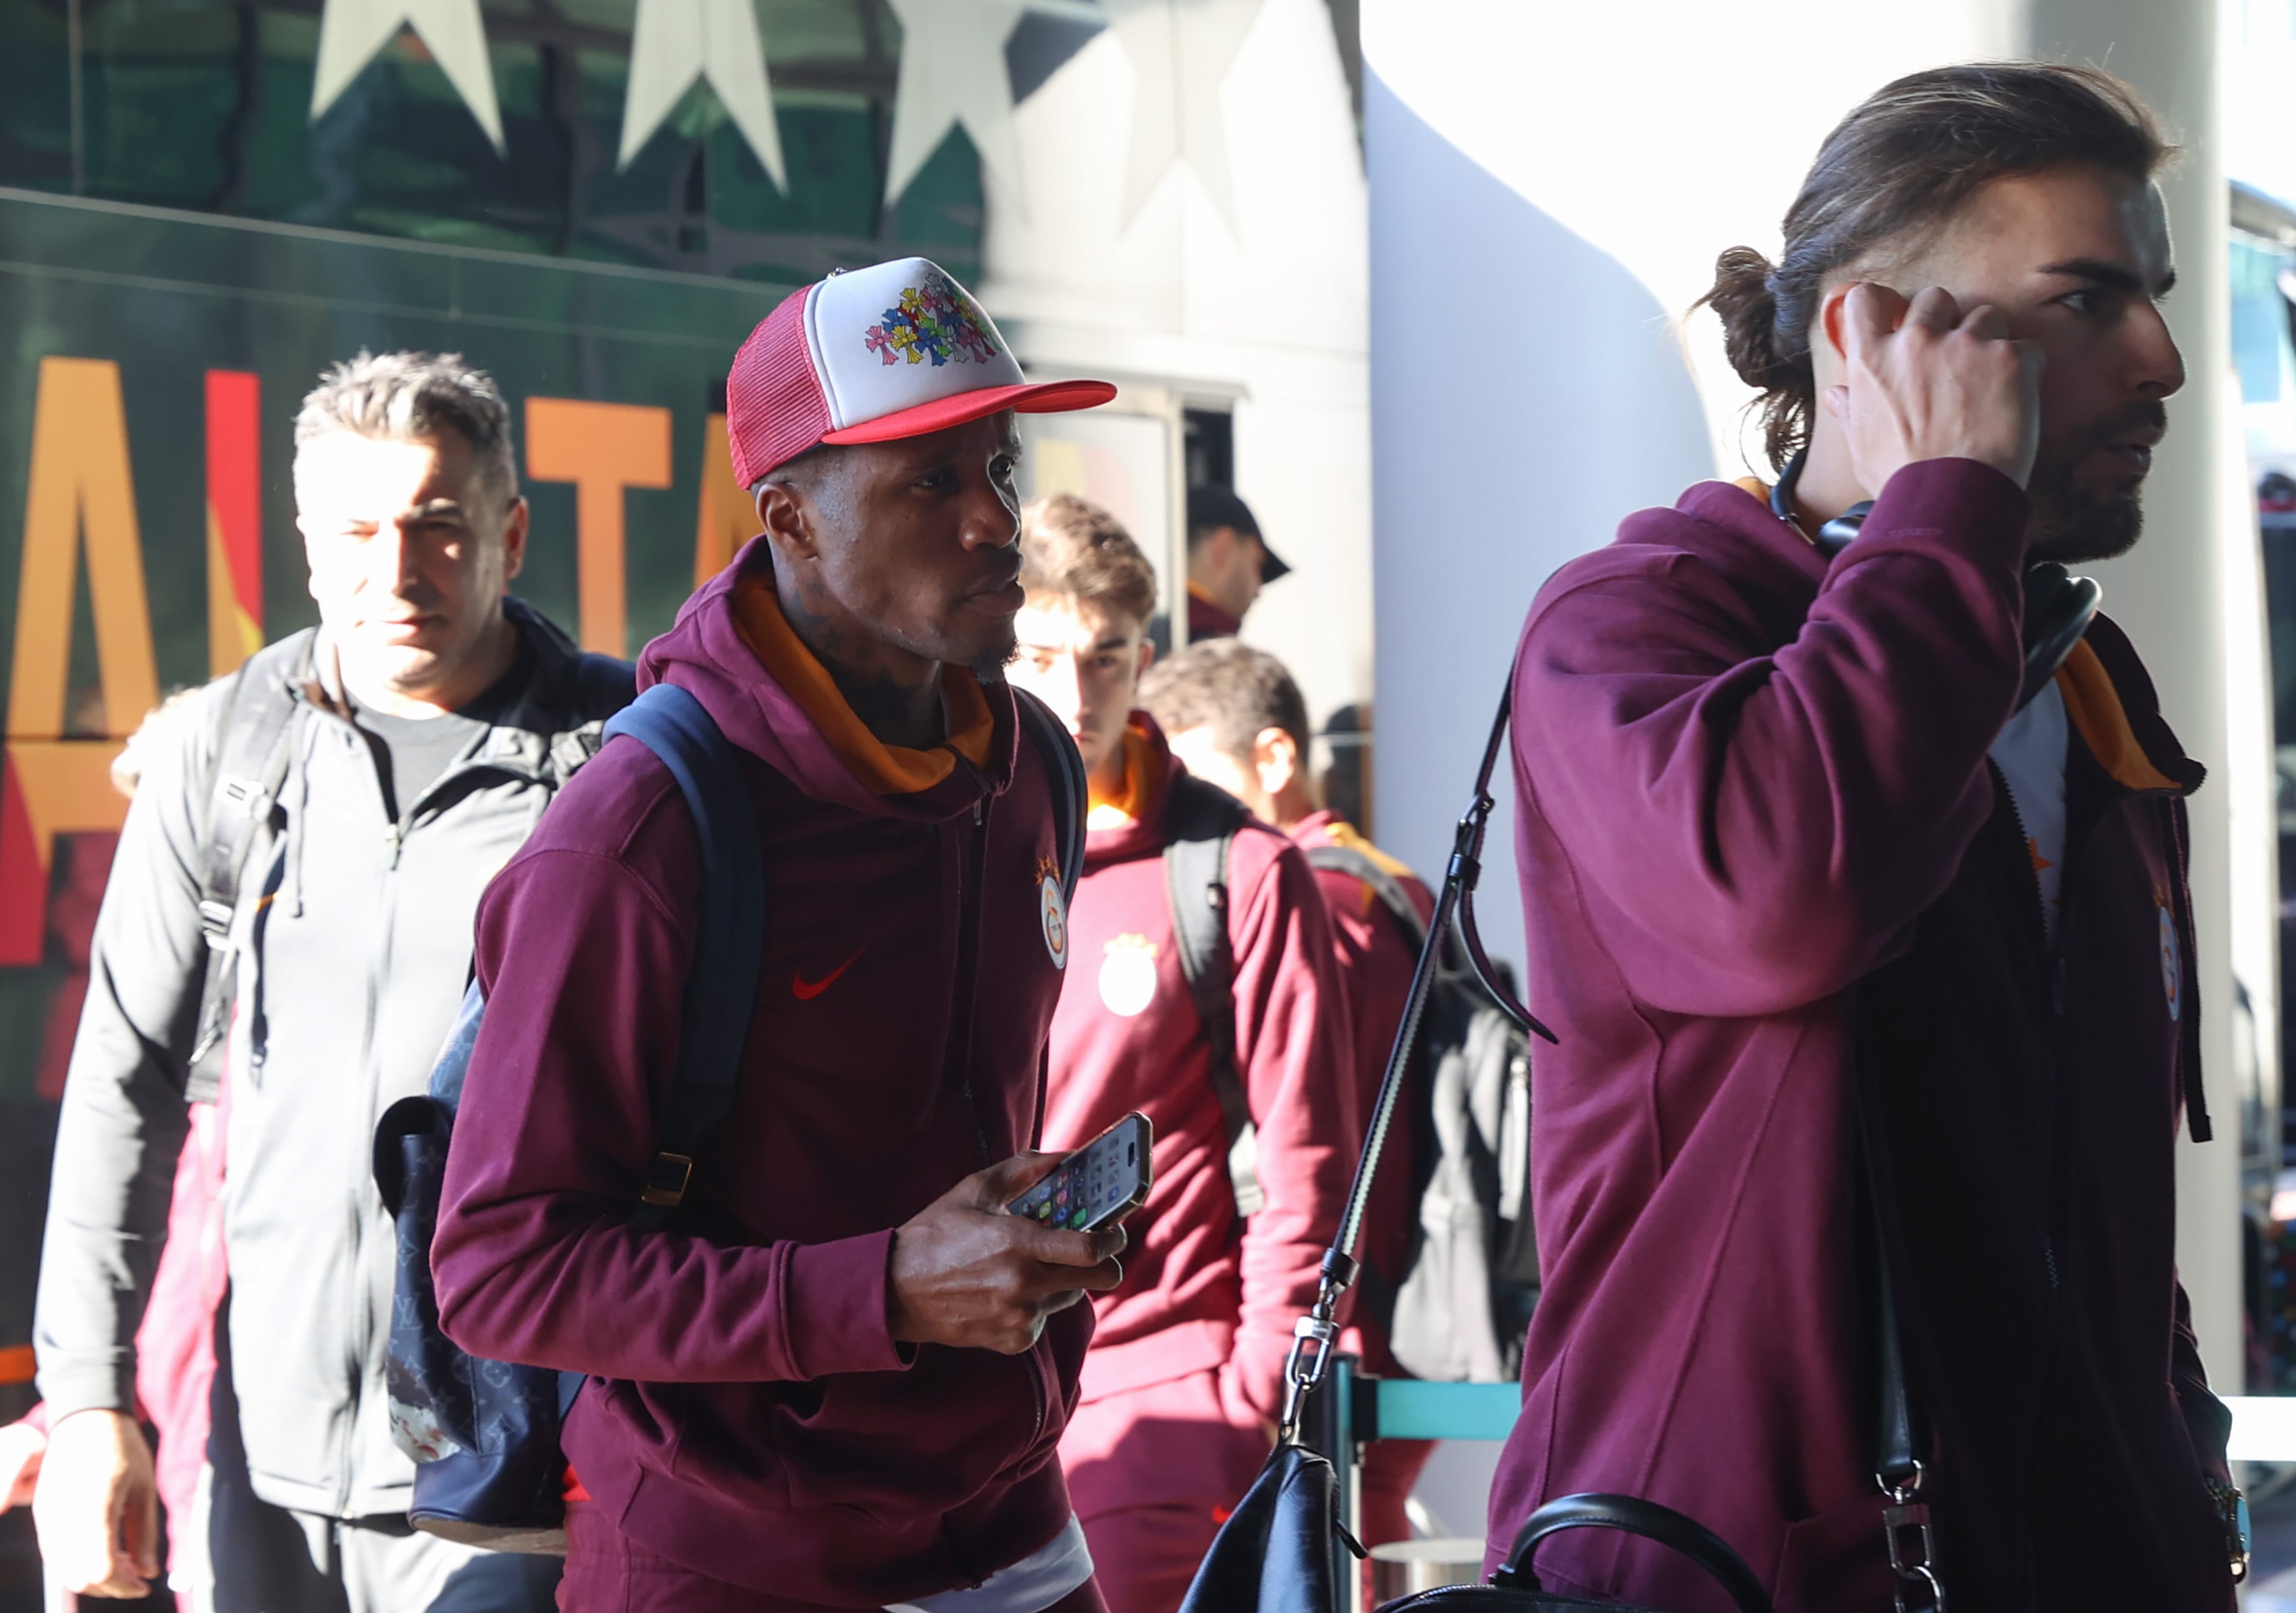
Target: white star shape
column 675, row 42
column 351, row 31
column 953, row 72
column 1181, row 52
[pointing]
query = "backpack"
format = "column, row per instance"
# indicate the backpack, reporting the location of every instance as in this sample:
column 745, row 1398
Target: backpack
column 255, row 745
column 1199, row 824
column 485, row 1435
column 1460, row 1309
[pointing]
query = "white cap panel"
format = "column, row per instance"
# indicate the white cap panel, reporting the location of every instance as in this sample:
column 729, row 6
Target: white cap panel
column 894, row 336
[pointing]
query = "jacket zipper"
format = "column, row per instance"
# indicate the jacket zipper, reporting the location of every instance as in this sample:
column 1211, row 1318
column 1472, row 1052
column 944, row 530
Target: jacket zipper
column 394, row 839
column 969, row 903
column 2054, row 986
column 972, row 875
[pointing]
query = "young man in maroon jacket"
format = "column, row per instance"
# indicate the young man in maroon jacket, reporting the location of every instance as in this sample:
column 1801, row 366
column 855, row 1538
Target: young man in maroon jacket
column 1183, row 1387
column 839, row 1379
column 1234, row 718
column 1810, row 838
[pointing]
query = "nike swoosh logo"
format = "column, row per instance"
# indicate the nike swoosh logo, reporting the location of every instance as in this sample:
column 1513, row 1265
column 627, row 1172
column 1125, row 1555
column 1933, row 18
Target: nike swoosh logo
column 805, row 991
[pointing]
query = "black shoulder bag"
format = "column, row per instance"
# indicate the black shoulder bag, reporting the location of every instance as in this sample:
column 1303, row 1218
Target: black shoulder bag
column 1276, row 1551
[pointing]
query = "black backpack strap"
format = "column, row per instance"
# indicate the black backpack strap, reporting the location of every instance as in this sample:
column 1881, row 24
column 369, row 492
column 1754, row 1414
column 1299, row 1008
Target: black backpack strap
column 1068, row 782
column 1357, row 864
column 253, row 752
column 1199, row 825
column 729, row 934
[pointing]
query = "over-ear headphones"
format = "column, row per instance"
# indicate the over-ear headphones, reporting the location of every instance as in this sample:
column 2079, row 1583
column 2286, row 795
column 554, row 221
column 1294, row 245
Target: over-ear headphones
column 2059, row 607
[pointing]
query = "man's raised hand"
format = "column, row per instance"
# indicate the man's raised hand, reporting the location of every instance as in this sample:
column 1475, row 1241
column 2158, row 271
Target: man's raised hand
column 966, row 1272
column 1926, row 381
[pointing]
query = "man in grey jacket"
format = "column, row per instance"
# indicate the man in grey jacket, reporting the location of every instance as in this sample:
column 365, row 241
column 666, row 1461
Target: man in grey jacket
column 291, row 904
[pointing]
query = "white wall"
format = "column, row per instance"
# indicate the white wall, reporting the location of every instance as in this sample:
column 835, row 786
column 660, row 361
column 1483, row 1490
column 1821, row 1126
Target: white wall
column 1273, row 305
column 1550, row 186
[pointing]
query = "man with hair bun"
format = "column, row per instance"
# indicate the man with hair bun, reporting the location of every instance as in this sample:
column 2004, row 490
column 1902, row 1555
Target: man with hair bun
column 1248, row 1086
column 286, row 935
column 1853, row 857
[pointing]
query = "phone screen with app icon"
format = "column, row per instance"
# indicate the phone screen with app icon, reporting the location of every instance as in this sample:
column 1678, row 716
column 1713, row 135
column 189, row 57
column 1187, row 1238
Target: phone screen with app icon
column 1098, row 1185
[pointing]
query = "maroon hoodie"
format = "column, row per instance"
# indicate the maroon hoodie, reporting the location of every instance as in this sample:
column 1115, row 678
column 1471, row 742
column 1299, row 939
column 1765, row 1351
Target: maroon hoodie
column 748, row 1414
column 1759, row 829
column 1196, row 1294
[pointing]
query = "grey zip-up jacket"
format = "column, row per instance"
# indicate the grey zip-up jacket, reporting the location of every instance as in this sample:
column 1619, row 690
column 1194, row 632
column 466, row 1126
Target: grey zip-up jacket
column 353, row 935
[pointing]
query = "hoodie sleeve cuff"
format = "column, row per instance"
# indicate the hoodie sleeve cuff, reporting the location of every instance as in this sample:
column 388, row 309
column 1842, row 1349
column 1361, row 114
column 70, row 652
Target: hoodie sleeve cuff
column 835, row 1309
column 1959, row 498
column 94, row 1387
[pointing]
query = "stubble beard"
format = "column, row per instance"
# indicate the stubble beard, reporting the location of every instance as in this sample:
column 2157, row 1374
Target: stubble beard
column 2074, row 525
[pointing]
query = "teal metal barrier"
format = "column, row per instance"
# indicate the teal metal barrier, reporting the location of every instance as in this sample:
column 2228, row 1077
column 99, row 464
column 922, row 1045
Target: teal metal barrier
column 1404, row 1408
column 1350, row 1410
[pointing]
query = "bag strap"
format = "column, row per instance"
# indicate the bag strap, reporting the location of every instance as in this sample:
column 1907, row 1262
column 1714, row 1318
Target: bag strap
column 1199, row 825
column 1068, row 784
column 1314, row 1335
column 729, row 932
column 1645, row 1519
column 253, row 753
column 1898, row 1438
column 1357, row 864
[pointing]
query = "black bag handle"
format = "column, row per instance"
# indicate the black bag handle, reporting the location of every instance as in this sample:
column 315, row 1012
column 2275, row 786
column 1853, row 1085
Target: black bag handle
column 1645, row 1519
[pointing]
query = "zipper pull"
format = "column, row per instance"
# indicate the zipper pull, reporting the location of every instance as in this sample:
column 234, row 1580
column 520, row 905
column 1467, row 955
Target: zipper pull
column 393, row 838
column 980, row 812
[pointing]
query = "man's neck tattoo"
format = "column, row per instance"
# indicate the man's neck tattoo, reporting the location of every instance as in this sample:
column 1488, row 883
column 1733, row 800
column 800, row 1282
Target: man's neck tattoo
column 898, row 714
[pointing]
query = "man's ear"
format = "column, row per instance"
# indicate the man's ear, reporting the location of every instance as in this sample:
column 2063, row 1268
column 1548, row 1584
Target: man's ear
column 513, row 537
column 785, row 515
column 1276, row 758
column 1202, row 563
column 1147, row 655
column 1828, row 356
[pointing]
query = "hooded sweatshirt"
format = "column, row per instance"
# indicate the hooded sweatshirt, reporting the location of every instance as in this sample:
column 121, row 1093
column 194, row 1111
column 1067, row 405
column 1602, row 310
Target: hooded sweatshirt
column 1764, row 857
column 1198, row 1293
column 749, row 1415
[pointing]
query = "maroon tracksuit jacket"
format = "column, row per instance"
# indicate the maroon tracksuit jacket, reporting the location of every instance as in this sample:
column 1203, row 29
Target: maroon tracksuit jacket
column 1759, row 823
column 749, row 1416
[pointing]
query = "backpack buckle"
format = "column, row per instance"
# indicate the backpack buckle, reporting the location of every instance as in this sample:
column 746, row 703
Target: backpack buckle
column 215, row 922
column 667, row 1177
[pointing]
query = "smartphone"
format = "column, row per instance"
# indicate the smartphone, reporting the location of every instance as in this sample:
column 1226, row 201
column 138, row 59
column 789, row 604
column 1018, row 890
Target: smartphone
column 1098, row 1185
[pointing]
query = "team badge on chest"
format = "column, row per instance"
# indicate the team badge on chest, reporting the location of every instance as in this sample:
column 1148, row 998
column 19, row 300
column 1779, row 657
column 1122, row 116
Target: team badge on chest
column 1127, row 975
column 1053, row 911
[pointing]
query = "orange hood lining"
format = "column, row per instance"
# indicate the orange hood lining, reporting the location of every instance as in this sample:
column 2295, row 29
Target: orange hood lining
column 1144, row 774
column 886, row 769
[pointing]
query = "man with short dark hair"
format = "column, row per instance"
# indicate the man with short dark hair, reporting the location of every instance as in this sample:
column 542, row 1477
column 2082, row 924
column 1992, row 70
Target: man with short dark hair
column 838, row 1376
column 1230, row 1034
column 289, row 916
column 1228, row 562
column 1234, row 718
column 1855, row 877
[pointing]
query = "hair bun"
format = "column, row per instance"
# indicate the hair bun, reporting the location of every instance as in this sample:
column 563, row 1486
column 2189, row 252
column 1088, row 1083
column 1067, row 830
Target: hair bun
column 1742, row 296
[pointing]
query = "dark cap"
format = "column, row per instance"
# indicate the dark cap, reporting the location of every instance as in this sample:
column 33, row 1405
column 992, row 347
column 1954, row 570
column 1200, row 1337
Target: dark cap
column 1211, row 509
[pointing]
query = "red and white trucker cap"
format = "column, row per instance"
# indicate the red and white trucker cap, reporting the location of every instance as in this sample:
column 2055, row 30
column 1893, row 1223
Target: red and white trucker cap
column 869, row 355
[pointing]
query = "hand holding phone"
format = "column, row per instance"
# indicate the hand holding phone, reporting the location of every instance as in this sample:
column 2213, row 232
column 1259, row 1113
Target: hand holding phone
column 1098, row 1185
column 964, row 1272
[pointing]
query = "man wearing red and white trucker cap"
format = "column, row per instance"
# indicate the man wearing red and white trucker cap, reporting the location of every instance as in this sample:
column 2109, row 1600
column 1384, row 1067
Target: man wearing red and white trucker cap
column 839, row 1377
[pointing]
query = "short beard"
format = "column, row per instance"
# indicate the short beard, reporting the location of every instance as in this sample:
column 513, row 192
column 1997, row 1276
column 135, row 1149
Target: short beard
column 2071, row 524
column 989, row 664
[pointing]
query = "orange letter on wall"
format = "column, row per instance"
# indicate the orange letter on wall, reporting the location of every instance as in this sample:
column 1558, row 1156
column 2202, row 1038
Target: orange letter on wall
column 729, row 516
column 79, row 491
column 601, row 449
column 235, row 520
